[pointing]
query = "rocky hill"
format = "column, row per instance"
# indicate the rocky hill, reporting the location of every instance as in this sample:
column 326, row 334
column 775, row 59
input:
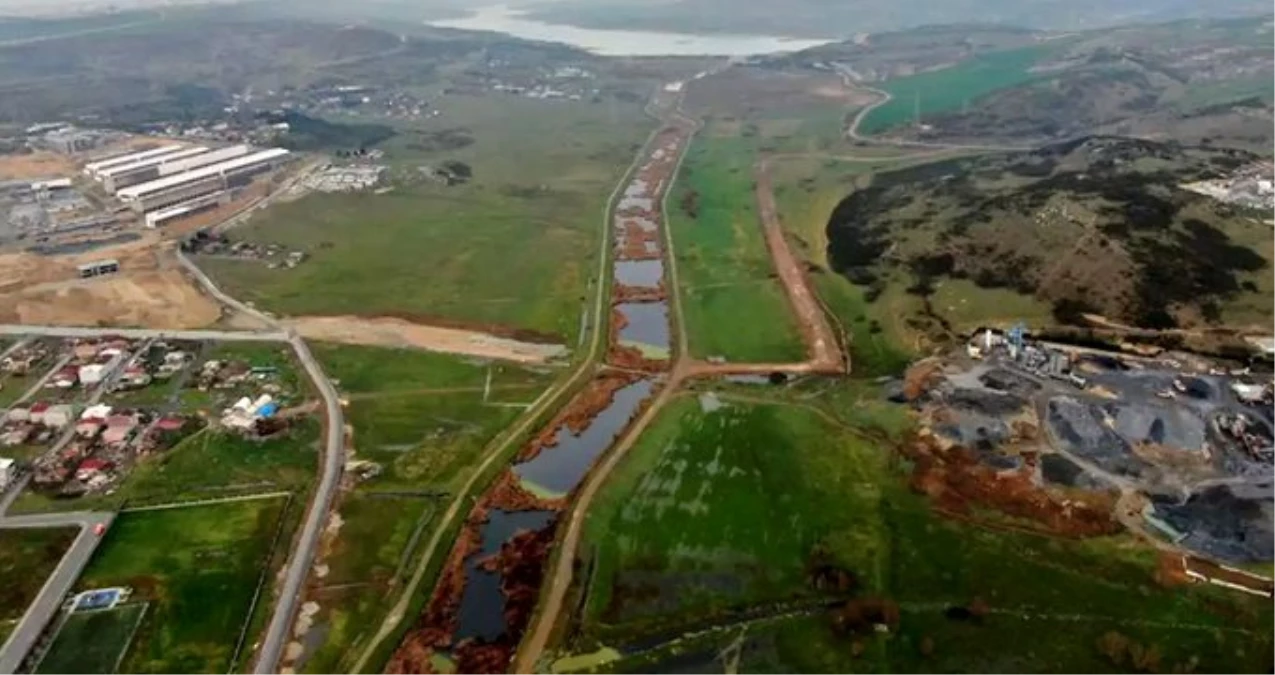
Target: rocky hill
column 1098, row 225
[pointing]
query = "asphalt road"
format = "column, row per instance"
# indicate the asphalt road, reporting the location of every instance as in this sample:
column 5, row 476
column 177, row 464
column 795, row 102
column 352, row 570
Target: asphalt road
column 57, row 586
column 302, row 558
column 144, row 333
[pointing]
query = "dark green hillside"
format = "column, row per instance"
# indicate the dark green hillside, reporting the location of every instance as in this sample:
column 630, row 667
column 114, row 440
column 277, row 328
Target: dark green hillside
column 1094, row 225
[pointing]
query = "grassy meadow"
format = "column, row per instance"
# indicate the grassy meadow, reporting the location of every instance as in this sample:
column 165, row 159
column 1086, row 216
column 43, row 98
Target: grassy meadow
column 27, row 558
column 734, row 306
column 377, row 537
column 950, row 88
column 516, row 246
column 715, row 511
column 199, row 568
column 714, row 515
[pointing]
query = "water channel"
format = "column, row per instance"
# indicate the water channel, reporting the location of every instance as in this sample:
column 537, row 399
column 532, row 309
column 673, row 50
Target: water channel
column 482, row 605
column 561, row 467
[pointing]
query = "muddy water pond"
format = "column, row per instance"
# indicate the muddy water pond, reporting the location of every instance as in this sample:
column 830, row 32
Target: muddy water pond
column 561, row 467
column 482, row 606
column 647, row 323
column 640, row 273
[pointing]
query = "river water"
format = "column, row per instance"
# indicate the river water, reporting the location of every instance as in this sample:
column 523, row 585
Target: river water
column 502, row 19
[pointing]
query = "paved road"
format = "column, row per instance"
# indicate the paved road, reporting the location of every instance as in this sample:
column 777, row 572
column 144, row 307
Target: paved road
column 57, row 586
column 279, row 628
column 144, row 333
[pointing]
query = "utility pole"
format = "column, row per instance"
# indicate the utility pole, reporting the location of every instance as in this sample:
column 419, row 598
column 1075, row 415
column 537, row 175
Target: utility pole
column 916, row 108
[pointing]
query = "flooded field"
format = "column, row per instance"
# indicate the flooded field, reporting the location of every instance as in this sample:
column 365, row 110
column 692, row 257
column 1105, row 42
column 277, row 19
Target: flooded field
column 482, row 608
column 640, row 273
column 640, row 332
column 560, row 468
column 645, row 324
column 483, row 600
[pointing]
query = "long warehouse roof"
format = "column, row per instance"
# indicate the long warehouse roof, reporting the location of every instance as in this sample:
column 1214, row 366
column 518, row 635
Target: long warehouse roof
column 136, row 191
column 131, row 157
column 172, row 166
column 150, row 161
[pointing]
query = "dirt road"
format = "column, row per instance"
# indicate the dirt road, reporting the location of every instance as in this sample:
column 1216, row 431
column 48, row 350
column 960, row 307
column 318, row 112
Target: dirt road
column 394, row 332
column 824, row 351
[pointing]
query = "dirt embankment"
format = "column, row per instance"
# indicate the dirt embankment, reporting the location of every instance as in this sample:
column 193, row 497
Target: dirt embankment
column 386, row 331
column 150, row 290
column 956, row 481
column 824, row 350
column 623, row 293
column 584, row 406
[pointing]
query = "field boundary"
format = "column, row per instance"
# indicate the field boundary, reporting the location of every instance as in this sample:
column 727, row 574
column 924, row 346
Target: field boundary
column 261, row 583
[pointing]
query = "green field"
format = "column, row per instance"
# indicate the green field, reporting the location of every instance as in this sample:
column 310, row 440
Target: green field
column 951, row 88
column 515, row 247
column 93, row 642
column 373, row 370
column 27, row 558
column 734, row 306
column 422, row 418
column 199, row 568
column 424, row 441
column 378, row 534
column 711, row 512
column 714, row 515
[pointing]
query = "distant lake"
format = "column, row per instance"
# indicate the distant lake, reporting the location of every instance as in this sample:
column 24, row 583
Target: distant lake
column 502, row 19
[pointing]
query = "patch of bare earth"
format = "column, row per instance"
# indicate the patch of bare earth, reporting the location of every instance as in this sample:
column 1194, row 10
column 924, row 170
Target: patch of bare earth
column 149, row 291
column 395, row 332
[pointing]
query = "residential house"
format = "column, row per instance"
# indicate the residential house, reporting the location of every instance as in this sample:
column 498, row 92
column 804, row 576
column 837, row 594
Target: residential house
column 58, row 416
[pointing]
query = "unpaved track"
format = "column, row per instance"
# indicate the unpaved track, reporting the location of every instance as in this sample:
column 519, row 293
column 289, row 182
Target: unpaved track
column 395, row 332
column 825, row 355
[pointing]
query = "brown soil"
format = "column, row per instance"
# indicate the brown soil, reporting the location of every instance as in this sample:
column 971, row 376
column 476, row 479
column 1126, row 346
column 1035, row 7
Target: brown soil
column 151, row 290
column 577, row 414
column 825, row 351
column 634, row 238
column 499, row 330
column 920, row 377
column 955, row 480
column 400, row 333
column 507, row 494
column 622, row 293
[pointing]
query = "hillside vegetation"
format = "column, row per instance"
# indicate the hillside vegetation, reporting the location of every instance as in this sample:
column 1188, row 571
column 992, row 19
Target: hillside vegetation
column 1095, row 225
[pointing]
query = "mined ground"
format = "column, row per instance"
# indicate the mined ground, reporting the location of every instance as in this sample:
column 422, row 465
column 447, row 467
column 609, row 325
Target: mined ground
column 394, row 332
column 150, row 290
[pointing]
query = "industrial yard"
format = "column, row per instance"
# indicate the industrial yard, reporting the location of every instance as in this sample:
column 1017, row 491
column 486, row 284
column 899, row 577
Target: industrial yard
column 1183, row 444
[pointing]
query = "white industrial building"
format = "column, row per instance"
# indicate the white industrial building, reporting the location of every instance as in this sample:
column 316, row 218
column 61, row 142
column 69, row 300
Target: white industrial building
column 200, row 182
column 190, row 207
column 142, row 170
column 92, row 168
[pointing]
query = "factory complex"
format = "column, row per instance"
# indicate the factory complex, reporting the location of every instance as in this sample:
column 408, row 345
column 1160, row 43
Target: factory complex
column 176, row 180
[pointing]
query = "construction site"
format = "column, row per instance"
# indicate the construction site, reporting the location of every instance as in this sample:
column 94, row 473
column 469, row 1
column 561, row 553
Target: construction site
column 1176, row 447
